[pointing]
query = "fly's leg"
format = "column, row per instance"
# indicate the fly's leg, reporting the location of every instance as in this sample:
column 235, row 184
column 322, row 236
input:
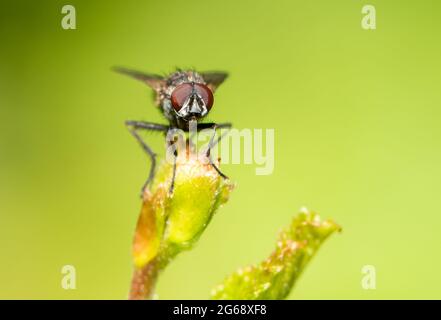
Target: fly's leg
column 172, row 184
column 211, row 125
column 133, row 127
column 175, row 139
column 213, row 143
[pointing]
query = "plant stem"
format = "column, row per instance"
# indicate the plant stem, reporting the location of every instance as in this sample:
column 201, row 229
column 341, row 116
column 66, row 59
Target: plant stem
column 144, row 281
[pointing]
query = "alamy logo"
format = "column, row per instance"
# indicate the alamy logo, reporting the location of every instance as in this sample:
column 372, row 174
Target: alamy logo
column 69, row 279
column 232, row 146
column 69, row 21
column 369, row 278
column 368, row 21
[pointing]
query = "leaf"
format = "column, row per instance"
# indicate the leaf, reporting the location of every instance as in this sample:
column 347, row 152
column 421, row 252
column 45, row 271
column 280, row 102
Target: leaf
column 275, row 277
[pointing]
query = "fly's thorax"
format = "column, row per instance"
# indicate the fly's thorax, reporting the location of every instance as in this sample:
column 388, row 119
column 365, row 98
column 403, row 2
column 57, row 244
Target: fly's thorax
column 167, row 110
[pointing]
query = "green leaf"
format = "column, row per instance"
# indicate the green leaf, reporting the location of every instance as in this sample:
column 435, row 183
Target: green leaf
column 275, row 277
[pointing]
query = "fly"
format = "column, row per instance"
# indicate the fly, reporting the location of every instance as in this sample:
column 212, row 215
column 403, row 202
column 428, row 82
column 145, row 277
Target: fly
column 182, row 97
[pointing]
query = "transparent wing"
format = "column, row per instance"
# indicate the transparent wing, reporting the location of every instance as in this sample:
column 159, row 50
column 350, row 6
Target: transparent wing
column 153, row 80
column 214, row 79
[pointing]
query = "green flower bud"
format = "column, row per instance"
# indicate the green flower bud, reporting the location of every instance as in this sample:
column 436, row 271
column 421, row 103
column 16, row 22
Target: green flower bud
column 172, row 222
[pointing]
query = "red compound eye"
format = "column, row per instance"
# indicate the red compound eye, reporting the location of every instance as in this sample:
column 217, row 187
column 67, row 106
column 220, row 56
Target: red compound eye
column 205, row 93
column 185, row 90
column 180, row 95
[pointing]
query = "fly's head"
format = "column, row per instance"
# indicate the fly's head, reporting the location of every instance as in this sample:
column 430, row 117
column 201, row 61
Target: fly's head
column 183, row 95
column 189, row 95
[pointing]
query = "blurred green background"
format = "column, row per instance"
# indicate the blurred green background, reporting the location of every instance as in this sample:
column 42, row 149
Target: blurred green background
column 356, row 115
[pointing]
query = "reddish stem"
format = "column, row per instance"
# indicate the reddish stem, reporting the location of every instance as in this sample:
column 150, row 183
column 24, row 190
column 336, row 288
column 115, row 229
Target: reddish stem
column 143, row 282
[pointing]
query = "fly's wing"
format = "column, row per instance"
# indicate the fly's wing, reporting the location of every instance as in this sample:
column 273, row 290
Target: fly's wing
column 214, row 79
column 152, row 80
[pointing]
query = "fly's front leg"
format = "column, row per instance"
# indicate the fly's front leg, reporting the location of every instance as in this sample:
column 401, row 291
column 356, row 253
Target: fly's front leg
column 213, row 143
column 175, row 142
column 172, row 184
column 134, row 127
